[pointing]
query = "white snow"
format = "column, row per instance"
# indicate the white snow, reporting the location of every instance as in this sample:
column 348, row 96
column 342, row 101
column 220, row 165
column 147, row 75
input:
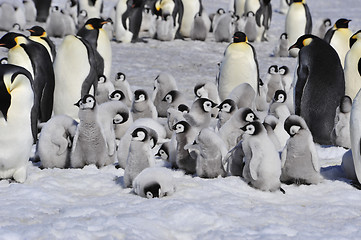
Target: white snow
column 91, row 203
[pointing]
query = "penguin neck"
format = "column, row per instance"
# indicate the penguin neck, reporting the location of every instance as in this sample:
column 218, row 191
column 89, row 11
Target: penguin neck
column 19, row 57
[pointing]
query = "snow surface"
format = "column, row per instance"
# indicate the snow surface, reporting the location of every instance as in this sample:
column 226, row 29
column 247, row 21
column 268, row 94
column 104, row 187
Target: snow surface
column 91, row 203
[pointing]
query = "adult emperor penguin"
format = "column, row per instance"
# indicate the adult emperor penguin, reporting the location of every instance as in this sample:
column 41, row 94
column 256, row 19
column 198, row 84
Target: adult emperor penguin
column 89, row 144
column 262, row 168
column 238, row 65
column 34, row 57
column 263, row 20
column 38, row 34
column 338, row 37
column 341, row 130
column 142, row 106
column 300, row 162
column 252, row 5
column 93, row 32
column 298, row 23
column 319, row 88
column 355, row 133
column 163, row 84
column 42, row 9
column 190, row 9
column 139, row 157
column 353, row 66
column 55, row 140
column 16, row 102
column 122, row 32
column 154, row 182
column 75, row 74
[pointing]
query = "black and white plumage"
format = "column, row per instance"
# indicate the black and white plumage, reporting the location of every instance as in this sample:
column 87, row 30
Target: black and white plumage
column 341, row 131
column 163, row 84
column 38, row 34
column 300, row 162
column 121, row 83
column 262, row 168
column 104, row 90
column 174, row 98
column 352, row 68
column 199, row 115
column 263, row 20
column 281, row 49
column 142, row 106
column 226, row 110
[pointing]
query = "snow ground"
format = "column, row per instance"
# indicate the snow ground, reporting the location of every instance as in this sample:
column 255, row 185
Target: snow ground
column 91, row 203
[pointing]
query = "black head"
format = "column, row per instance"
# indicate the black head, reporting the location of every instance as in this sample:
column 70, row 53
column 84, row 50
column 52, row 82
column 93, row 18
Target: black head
column 37, row 31
column 239, row 37
column 183, row 108
column 280, row 96
column 181, row 127
column 298, row 0
column 140, row 95
column 152, row 190
column 120, row 117
column 303, row 41
column 293, row 124
column 250, row 14
column 163, row 151
column 327, row 22
column 342, row 23
column 171, row 96
column 206, row 104
column 284, row 36
column 197, row 87
column 345, row 104
column 120, row 77
column 228, row 105
column 87, row 102
column 140, row 134
column 284, row 70
column 117, row 95
column 353, row 38
column 273, row 69
column 95, row 23
column 253, row 128
column 248, row 115
column 102, row 79
column 10, row 39
column 221, row 11
column 4, row 60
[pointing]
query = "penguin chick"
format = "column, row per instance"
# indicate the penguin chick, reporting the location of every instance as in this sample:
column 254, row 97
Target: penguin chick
column 262, row 168
column 300, row 162
column 174, row 98
column 261, row 99
column 341, row 131
column 274, row 82
column 163, row 84
column 120, row 83
column 250, row 28
column 209, row 150
column 166, row 152
column 104, row 89
column 118, row 95
column 185, row 134
column 208, row 90
column 58, row 23
column 55, row 141
column 199, row 29
column 154, row 182
column 231, row 131
column 176, row 115
column 226, row 110
column 142, row 106
column 199, row 115
column 139, row 157
column 281, row 49
column 243, row 95
column 321, row 30
column 225, row 28
column 89, row 145
column 234, row 160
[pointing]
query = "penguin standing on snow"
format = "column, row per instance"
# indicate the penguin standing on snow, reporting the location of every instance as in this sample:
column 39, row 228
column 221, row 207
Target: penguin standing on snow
column 353, row 66
column 299, row 158
column 262, row 168
column 199, row 28
column 319, row 88
column 39, row 35
column 199, row 115
column 190, row 9
column 281, row 49
column 16, row 102
column 263, row 19
column 133, row 15
column 34, row 57
column 341, row 130
column 338, row 37
column 298, row 23
column 238, row 65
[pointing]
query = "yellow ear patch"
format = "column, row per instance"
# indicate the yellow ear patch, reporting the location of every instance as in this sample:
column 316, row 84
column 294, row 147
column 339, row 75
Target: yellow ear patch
column 307, row 41
column 89, row 27
column 157, row 5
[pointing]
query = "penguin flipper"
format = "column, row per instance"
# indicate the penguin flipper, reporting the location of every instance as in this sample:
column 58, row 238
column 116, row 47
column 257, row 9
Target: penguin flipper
column 314, row 156
column 62, row 143
column 302, row 73
column 308, row 29
column 256, row 159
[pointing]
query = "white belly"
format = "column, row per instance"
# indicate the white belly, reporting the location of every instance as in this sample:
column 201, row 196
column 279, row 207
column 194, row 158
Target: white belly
column 191, row 8
column 295, row 25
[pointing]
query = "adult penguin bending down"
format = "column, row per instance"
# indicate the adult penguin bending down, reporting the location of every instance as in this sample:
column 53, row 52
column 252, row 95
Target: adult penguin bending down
column 319, row 88
column 239, row 65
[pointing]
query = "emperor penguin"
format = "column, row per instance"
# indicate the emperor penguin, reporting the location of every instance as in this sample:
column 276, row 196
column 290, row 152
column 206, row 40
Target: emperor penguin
column 225, row 28
column 281, row 49
column 190, row 9
column 175, row 115
column 243, row 95
column 263, row 20
column 341, row 130
column 167, row 152
column 199, row 115
column 208, row 90
column 352, row 69
column 238, row 7
column 171, row 11
column 165, row 30
column 226, row 110
column 122, row 118
column 288, row 86
column 42, row 9
column 174, row 98
column 252, row 5
column 298, row 23
column 262, row 168
column 75, row 74
column 94, row 8
column 185, row 134
column 122, row 33
column 283, row 7
column 59, row 24
column 154, row 182
column 250, row 27
column 33, row 57
column 355, row 134
column 55, row 141
column 274, row 82
column 314, row 76
column 199, row 29
column 16, row 103
column 139, row 157
column 239, row 65
column 231, row 130
column 210, row 151
column 30, row 10
column 163, row 84
column 132, row 18
column 12, row 12
column 338, row 37
column 216, row 17
column 89, row 144
column 121, row 83
column 93, row 32
column 142, row 106
column 324, row 26
column 300, row 163
column 38, row 34
column 104, row 90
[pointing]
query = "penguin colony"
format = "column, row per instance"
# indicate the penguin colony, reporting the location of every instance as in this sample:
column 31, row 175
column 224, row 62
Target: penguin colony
column 262, row 130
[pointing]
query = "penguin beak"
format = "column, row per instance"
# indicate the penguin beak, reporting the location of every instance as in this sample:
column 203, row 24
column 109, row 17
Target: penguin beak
column 30, row 30
column 293, row 46
column 244, row 128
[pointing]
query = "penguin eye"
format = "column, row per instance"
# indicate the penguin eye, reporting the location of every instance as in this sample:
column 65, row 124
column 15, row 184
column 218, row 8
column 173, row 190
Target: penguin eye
column 250, row 117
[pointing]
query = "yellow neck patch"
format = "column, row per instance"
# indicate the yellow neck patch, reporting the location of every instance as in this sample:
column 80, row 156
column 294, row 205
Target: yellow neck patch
column 89, row 27
column 307, row 41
